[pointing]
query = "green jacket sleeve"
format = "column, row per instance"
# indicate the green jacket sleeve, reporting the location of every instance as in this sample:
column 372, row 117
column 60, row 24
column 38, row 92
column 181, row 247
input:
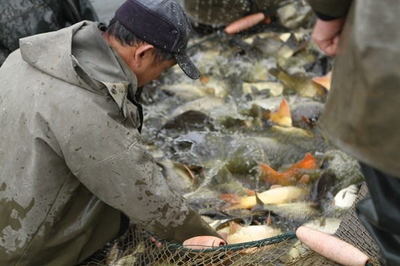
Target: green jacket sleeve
column 331, row 8
column 108, row 158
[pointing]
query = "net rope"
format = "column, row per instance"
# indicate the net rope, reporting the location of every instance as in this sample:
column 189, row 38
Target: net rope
column 138, row 247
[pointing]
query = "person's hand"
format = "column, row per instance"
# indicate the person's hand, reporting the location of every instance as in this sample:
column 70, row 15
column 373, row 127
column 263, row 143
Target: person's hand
column 203, row 242
column 326, row 35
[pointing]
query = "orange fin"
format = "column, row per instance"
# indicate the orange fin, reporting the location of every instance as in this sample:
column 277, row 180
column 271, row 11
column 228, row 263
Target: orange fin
column 250, row 192
column 274, row 177
column 282, row 116
column 230, row 198
column 324, row 81
column 308, row 162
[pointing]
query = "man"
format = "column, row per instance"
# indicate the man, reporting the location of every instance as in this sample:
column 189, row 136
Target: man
column 361, row 115
column 21, row 18
column 72, row 166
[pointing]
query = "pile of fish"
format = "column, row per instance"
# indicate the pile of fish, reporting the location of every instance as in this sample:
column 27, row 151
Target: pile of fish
column 242, row 144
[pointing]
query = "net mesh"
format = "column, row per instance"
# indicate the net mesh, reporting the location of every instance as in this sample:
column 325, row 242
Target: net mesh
column 352, row 231
column 138, row 247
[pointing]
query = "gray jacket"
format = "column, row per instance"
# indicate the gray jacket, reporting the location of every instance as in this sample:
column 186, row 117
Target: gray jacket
column 70, row 153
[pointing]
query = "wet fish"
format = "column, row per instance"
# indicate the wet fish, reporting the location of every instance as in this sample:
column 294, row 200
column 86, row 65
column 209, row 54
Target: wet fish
column 204, row 104
column 293, row 211
column 292, row 175
column 303, row 85
column 241, row 234
column 271, row 196
column 346, row 197
column 274, row 88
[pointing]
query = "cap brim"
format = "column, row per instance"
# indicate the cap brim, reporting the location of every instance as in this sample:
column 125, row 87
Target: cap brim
column 187, row 66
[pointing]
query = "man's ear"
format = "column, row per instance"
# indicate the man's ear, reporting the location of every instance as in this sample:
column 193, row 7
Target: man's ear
column 143, row 53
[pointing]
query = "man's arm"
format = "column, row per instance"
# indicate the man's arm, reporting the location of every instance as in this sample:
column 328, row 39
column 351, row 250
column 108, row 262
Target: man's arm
column 331, row 19
column 330, row 9
column 109, row 160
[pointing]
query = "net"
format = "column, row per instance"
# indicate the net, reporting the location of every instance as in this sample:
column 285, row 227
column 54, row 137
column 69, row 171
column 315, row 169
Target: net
column 138, row 247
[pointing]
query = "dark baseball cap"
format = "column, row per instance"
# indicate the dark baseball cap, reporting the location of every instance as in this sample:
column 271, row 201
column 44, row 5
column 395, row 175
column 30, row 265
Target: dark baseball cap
column 162, row 23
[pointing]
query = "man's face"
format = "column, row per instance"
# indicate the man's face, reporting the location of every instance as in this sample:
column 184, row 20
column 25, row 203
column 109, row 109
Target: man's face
column 152, row 69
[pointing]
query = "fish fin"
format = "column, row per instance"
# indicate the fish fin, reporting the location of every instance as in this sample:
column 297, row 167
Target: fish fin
column 259, row 202
column 282, row 116
column 234, row 227
column 250, row 192
column 308, row 162
column 274, row 177
column 324, row 81
column 230, row 198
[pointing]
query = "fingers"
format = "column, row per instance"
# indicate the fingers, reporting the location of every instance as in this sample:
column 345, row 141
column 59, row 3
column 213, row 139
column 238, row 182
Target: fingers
column 329, row 47
column 158, row 244
column 326, row 35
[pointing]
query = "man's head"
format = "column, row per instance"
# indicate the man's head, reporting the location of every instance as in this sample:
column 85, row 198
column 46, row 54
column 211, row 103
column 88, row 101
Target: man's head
column 151, row 36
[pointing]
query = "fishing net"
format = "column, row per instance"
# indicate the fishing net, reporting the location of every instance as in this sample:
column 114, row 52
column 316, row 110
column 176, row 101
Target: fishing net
column 138, row 247
column 352, row 231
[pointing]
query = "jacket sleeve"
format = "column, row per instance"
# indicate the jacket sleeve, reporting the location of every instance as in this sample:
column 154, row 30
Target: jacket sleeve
column 331, row 8
column 108, row 158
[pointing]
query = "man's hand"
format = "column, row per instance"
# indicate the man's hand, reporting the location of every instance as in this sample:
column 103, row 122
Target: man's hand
column 203, row 242
column 326, row 35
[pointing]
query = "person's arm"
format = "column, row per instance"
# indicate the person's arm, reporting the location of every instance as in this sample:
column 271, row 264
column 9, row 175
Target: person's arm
column 331, row 19
column 330, row 9
column 109, row 160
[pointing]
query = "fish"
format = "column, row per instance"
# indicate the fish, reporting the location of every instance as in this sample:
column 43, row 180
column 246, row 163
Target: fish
column 303, row 85
column 271, row 196
column 204, row 104
column 274, row 88
column 242, row 234
column 292, row 132
column 290, row 176
column 206, row 87
column 346, row 197
column 179, row 176
column 326, row 225
column 294, row 211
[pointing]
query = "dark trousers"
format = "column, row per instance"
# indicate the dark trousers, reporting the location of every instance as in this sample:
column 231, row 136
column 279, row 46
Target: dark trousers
column 380, row 213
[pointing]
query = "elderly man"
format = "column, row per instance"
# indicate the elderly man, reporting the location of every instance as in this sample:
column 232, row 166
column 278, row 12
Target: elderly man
column 361, row 115
column 72, row 165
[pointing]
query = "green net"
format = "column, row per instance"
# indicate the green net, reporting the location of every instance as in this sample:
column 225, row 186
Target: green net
column 141, row 250
column 138, row 247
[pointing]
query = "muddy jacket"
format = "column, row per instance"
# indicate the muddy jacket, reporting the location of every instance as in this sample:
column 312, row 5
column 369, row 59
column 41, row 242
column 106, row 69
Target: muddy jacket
column 362, row 111
column 21, row 18
column 222, row 12
column 70, row 153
